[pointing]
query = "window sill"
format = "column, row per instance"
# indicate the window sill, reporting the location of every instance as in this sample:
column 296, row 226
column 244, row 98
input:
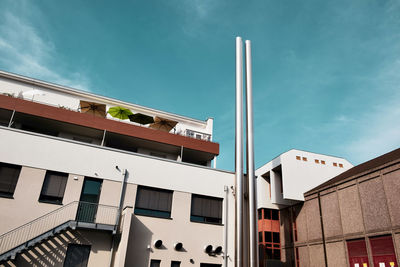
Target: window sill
column 220, row 224
column 50, row 202
column 153, row 216
column 5, row 196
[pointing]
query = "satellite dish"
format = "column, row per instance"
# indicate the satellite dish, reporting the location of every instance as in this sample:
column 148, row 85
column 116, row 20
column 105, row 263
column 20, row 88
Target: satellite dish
column 158, row 243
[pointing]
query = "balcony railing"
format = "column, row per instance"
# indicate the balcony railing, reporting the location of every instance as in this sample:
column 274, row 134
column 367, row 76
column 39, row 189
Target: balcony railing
column 198, row 135
column 73, row 212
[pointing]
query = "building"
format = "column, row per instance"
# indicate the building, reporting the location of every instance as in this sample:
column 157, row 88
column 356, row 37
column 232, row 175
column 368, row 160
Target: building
column 79, row 187
column 281, row 184
column 352, row 219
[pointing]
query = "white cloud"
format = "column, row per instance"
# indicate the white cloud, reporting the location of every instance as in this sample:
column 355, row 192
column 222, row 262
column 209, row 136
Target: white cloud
column 24, row 51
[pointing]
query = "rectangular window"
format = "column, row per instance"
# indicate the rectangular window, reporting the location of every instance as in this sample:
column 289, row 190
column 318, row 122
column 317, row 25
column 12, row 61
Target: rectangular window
column 155, row 263
column 335, row 164
column 340, row 165
column 9, row 174
column 53, row 187
column 304, row 159
column 259, row 214
column 260, row 237
column 268, row 237
column 206, row 209
column 175, row 263
column 275, row 215
column 298, row 157
column 317, row 161
column 323, row 162
column 275, row 237
column 77, row 255
column 153, row 202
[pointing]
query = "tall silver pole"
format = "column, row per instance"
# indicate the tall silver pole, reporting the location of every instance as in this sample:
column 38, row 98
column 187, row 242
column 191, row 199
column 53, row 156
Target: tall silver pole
column 253, row 235
column 239, row 151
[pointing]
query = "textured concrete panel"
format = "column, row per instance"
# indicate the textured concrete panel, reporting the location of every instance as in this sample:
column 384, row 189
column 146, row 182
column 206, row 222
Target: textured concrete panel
column 391, row 183
column 304, row 257
column 314, row 231
column 397, row 243
column 373, row 203
column 331, row 215
column 316, row 256
column 301, row 223
column 336, row 254
column 350, row 210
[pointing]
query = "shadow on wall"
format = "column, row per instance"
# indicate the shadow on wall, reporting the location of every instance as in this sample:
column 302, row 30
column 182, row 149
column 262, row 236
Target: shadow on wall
column 140, row 238
column 52, row 251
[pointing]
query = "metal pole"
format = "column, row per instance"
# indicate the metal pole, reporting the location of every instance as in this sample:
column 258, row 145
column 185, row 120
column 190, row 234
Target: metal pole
column 253, row 235
column 239, row 151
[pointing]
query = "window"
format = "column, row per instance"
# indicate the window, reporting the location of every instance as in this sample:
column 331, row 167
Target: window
column 340, row 165
column 298, row 157
column 53, row 187
column 175, row 263
column 206, row 209
column 275, row 215
column 304, row 159
column 260, row 237
column 153, row 202
column 272, row 245
column 77, row 255
column 9, row 174
column 317, row 161
column 155, row 263
column 323, row 162
column 335, row 164
column 260, row 214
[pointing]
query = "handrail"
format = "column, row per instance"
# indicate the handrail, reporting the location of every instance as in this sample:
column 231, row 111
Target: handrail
column 75, row 211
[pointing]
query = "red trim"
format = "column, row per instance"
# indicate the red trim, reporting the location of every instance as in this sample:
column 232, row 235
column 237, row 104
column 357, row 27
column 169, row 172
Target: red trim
column 87, row 120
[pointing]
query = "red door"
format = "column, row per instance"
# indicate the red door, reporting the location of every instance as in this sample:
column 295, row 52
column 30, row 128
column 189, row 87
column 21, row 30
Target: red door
column 358, row 256
column 383, row 251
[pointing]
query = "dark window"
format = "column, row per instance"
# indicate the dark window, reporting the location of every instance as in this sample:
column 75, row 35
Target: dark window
column 275, row 237
column 268, row 236
column 267, row 214
column 77, row 255
column 260, row 237
column 268, row 253
column 8, row 179
column 153, row 202
column 155, row 263
column 175, row 263
column 209, row 265
column 206, row 209
column 275, row 215
column 259, row 214
column 53, row 187
column 277, row 254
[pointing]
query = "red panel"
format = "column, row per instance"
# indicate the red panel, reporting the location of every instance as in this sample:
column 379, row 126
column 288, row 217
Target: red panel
column 358, row 256
column 383, row 251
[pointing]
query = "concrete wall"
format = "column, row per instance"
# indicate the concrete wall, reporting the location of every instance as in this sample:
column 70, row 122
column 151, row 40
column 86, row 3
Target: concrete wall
column 363, row 207
column 52, row 252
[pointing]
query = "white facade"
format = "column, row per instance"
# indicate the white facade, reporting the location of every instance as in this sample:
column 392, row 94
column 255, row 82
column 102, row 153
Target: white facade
column 285, row 179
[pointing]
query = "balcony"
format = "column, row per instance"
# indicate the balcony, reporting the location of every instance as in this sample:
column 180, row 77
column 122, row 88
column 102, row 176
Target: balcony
column 194, row 147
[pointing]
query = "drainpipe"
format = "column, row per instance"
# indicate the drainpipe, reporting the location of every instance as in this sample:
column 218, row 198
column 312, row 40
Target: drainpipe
column 322, row 229
column 226, row 189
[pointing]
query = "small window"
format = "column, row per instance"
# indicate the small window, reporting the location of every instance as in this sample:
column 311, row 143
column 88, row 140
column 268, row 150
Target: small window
column 277, row 254
column 335, row 164
column 340, row 165
column 323, row 162
column 155, row 263
column 298, row 157
column 175, row 263
column 267, row 214
column 153, row 202
column 260, row 237
column 317, row 161
column 304, row 159
column 268, row 237
column 259, row 214
column 53, row 187
column 275, row 237
column 9, row 174
column 275, row 215
column 206, row 209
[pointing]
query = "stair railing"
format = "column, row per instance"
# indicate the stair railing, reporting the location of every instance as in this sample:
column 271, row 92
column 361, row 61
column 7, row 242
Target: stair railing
column 74, row 211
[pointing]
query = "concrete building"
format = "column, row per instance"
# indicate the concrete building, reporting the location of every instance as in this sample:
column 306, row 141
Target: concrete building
column 353, row 219
column 79, row 187
column 281, row 184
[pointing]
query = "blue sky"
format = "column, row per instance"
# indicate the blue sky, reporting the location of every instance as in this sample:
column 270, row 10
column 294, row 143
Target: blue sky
column 326, row 74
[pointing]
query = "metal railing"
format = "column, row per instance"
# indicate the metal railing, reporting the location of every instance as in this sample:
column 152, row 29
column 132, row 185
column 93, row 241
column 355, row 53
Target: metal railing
column 74, row 211
column 198, row 135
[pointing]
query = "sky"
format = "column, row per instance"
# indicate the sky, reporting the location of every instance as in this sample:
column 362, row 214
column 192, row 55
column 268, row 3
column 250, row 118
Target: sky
column 326, row 74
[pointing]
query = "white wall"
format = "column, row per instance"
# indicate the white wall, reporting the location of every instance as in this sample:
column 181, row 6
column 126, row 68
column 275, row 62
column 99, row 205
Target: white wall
column 298, row 176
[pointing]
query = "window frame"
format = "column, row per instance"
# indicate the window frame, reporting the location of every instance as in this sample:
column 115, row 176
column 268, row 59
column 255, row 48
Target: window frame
column 13, row 184
column 52, row 199
column 206, row 219
column 157, row 213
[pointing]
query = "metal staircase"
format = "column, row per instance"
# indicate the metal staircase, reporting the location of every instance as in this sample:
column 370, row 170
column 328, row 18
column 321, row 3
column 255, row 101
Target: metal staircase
column 71, row 216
